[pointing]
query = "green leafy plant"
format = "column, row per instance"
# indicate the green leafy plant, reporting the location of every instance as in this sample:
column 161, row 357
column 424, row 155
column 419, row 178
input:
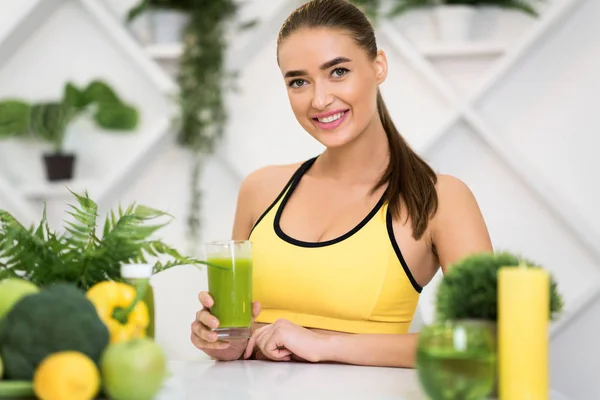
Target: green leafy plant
column 401, row 6
column 14, row 118
column 469, row 289
column 49, row 120
column 85, row 253
column 203, row 79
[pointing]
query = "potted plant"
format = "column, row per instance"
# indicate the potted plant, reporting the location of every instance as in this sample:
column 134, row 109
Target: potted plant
column 85, row 253
column 48, row 121
column 453, row 18
column 167, row 19
column 466, row 307
column 469, row 289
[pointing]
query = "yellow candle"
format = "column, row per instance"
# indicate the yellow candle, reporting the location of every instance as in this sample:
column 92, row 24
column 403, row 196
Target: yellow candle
column 523, row 315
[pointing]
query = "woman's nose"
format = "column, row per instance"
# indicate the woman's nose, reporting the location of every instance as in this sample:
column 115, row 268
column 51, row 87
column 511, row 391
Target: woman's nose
column 322, row 97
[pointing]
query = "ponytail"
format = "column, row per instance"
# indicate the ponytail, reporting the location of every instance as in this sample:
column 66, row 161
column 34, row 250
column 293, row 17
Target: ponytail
column 408, row 176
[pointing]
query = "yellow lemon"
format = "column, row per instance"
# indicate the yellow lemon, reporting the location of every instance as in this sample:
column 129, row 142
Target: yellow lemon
column 66, row 375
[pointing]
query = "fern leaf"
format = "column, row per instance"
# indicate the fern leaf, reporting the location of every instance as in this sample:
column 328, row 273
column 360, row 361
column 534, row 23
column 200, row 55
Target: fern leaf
column 22, row 251
column 39, row 231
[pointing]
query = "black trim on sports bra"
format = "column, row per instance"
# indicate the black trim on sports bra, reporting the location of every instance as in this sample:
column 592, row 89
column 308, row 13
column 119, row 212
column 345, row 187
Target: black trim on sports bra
column 283, row 236
column 390, row 229
column 290, row 181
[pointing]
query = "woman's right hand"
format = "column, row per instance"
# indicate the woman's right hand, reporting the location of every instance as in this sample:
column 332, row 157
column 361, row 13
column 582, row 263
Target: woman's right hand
column 206, row 340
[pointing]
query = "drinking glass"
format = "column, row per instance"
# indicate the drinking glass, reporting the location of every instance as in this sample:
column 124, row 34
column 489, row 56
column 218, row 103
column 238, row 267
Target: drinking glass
column 230, row 285
column 457, row 360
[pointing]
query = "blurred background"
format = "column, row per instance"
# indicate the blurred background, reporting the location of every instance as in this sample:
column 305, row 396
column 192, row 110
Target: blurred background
column 175, row 106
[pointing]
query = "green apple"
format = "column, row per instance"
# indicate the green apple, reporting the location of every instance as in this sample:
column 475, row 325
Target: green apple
column 12, row 290
column 133, row 369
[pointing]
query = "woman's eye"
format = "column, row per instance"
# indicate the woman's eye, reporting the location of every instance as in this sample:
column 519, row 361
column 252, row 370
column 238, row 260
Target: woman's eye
column 339, row 72
column 296, row 83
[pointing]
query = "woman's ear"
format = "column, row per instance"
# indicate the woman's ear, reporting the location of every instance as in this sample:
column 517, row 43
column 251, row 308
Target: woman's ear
column 381, row 67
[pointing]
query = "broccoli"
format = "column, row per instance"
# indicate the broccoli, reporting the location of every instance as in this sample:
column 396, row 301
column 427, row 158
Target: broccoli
column 57, row 318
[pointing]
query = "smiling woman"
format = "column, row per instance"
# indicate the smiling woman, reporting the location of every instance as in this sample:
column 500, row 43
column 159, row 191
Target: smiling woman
column 343, row 243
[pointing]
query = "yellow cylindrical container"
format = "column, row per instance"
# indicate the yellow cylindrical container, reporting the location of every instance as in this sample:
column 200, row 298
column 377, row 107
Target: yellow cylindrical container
column 523, row 319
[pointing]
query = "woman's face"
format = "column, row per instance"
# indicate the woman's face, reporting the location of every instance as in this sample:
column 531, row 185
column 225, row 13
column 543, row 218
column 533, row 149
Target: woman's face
column 331, row 83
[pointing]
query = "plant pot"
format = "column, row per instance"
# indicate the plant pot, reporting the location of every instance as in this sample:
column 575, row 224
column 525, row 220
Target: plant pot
column 141, row 29
column 168, row 25
column 59, row 166
column 453, row 22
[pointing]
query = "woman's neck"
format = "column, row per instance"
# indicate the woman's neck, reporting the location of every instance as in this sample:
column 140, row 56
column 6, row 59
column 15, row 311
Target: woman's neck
column 361, row 161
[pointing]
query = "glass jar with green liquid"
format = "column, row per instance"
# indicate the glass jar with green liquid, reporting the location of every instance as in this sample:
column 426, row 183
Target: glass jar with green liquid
column 138, row 275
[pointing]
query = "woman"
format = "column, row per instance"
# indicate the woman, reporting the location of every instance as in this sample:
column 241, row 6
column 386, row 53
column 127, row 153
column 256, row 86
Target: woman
column 344, row 242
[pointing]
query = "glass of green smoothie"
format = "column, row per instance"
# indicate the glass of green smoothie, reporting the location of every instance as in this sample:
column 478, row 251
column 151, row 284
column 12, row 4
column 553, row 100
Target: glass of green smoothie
column 230, row 286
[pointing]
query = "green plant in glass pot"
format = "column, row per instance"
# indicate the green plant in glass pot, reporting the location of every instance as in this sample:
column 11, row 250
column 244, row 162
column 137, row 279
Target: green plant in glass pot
column 457, row 354
column 469, row 288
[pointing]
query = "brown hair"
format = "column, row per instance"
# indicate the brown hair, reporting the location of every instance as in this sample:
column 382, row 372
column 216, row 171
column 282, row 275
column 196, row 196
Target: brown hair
column 408, row 176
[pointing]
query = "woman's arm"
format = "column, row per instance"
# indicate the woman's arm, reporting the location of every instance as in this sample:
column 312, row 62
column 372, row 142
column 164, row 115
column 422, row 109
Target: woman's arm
column 370, row 349
column 458, row 228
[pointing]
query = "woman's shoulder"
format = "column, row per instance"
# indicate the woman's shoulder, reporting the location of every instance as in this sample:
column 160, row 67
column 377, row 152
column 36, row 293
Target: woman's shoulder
column 454, row 198
column 270, row 177
column 449, row 188
column 262, row 186
column 458, row 227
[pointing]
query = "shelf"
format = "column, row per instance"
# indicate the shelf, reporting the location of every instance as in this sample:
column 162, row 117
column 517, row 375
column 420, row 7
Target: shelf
column 474, row 49
column 53, row 190
column 166, row 51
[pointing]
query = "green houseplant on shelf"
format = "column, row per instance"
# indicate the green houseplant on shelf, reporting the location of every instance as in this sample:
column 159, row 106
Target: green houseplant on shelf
column 85, row 253
column 203, row 79
column 453, row 18
column 166, row 19
column 48, row 121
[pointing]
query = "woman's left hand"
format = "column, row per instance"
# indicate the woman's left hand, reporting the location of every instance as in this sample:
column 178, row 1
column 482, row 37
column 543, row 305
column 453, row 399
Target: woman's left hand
column 284, row 341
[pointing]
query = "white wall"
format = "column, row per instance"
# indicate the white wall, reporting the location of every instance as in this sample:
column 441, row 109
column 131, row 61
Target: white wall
column 518, row 126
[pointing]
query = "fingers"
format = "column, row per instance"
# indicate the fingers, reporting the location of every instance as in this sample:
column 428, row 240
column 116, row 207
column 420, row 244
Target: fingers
column 252, row 341
column 255, row 309
column 205, row 299
column 207, row 319
column 266, row 340
column 203, row 338
column 271, row 346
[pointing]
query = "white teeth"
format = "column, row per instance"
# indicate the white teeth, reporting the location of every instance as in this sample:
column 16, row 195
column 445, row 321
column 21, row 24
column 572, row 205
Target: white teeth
column 331, row 118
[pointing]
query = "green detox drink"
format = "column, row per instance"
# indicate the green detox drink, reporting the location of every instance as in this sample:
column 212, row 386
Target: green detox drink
column 230, row 286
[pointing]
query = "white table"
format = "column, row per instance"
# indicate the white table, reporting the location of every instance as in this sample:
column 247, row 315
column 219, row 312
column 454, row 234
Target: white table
column 244, row 380
column 210, row 380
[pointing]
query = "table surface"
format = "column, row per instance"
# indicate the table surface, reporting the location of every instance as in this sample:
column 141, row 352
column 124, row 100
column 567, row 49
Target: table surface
column 242, row 380
column 251, row 379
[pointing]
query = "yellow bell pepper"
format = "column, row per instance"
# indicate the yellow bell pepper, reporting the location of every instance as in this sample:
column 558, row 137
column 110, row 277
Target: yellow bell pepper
column 119, row 307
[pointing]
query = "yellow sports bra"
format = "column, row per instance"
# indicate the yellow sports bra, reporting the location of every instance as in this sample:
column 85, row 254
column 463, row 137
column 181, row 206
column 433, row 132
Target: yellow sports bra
column 356, row 283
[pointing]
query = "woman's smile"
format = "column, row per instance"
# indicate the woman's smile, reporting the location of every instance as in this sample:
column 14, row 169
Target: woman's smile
column 330, row 120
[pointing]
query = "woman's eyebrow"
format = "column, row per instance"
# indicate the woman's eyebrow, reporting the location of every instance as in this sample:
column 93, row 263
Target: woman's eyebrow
column 326, row 65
